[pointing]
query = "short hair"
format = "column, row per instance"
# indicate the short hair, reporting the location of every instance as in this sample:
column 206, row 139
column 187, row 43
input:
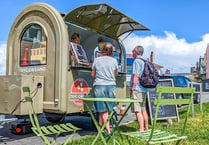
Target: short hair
column 100, row 39
column 74, row 36
column 139, row 50
column 108, row 49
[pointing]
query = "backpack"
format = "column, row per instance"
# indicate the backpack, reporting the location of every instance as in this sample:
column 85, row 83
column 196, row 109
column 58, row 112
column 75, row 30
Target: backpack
column 150, row 76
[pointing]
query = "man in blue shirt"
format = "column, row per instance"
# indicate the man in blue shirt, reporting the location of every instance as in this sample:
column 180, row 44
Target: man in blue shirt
column 137, row 91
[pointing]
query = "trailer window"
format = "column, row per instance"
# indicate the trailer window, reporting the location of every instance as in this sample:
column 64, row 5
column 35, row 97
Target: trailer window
column 33, row 46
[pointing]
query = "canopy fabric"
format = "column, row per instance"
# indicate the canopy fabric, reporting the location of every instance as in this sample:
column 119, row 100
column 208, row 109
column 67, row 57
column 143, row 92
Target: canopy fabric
column 103, row 19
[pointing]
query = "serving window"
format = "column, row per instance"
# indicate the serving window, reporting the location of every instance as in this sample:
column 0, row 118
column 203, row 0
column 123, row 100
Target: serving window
column 89, row 42
column 33, row 46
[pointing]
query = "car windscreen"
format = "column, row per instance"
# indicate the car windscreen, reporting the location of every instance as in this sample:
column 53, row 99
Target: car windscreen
column 179, row 81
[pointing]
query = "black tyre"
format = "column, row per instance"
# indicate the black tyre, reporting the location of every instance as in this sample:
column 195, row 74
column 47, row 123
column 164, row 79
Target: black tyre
column 54, row 118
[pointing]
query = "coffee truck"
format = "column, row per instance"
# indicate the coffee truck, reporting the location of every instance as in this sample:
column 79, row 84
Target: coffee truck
column 39, row 57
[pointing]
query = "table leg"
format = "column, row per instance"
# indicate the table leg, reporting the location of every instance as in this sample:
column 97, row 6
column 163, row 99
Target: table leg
column 97, row 125
column 116, row 125
column 102, row 128
column 123, row 115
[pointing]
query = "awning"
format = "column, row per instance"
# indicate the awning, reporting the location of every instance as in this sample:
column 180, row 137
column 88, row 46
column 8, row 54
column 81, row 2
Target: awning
column 103, row 19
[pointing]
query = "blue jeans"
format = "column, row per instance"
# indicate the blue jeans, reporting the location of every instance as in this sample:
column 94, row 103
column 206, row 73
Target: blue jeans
column 104, row 91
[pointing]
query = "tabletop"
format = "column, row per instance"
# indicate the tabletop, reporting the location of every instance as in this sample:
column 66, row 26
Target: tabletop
column 121, row 100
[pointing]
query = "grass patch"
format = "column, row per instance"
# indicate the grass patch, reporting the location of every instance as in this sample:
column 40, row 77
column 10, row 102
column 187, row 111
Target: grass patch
column 197, row 130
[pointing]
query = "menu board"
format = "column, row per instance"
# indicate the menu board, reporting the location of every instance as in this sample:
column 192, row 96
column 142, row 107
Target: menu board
column 165, row 111
column 79, row 53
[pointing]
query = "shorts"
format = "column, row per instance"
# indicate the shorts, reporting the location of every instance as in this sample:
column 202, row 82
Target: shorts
column 104, row 91
column 139, row 107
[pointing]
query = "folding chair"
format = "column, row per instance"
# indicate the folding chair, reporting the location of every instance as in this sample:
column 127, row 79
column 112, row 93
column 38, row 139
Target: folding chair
column 42, row 131
column 155, row 136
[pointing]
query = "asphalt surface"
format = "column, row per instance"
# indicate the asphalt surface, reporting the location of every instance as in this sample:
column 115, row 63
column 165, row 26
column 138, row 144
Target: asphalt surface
column 7, row 138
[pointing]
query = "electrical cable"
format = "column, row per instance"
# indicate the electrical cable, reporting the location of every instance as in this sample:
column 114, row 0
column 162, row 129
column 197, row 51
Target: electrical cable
column 23, row 100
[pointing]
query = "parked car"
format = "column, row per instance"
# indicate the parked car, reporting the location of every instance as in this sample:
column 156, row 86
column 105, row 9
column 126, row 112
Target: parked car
column 181, row 81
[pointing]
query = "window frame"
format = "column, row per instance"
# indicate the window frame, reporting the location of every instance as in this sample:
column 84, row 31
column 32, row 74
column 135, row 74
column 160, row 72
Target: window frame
column 23, row 46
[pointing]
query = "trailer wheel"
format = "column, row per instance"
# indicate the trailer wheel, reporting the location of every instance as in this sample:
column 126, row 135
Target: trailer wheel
column 54, row 118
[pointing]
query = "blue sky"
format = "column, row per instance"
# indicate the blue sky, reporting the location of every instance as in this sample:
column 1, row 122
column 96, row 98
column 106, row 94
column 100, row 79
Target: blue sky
column 179, row 29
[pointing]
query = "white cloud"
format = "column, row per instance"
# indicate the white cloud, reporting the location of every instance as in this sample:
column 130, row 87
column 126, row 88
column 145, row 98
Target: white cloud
column 2, row 58
column 171, row 52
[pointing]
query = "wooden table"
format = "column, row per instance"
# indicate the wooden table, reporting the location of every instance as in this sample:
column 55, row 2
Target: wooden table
column 111, row 113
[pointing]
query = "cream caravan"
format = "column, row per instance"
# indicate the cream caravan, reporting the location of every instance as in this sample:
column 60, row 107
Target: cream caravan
column 38, row 56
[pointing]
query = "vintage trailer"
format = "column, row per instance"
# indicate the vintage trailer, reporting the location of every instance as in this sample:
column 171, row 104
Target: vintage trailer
column 38, row 52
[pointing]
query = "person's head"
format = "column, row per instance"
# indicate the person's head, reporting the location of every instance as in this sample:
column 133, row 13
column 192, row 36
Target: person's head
column 107, row 50
column 75, row 38
column 101, row 42
column 138, row 50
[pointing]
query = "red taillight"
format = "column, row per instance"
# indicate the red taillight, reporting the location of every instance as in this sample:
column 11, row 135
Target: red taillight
column 18, row 130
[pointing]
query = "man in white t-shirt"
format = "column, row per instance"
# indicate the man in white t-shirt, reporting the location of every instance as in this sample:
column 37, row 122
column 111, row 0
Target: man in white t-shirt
column 137, row 91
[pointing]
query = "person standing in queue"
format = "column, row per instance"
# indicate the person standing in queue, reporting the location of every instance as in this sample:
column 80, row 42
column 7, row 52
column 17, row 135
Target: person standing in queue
column 105, row 82
column 137, row 91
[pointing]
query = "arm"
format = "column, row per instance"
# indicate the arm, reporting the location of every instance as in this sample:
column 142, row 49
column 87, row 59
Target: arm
column 135, row 80
column 116, row 72
column 93, row 73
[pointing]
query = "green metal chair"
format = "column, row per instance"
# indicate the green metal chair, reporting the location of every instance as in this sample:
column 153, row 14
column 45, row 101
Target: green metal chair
column 55, row 130
column 155, row 136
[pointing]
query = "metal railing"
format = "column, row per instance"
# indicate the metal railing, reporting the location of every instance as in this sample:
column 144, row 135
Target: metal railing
column 198, row 94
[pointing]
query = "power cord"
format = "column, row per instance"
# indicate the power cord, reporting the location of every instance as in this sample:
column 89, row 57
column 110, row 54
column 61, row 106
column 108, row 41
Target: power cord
column 35, row 91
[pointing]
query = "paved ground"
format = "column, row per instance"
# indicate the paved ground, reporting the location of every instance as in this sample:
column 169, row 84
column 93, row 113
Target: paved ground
column 6, row 137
